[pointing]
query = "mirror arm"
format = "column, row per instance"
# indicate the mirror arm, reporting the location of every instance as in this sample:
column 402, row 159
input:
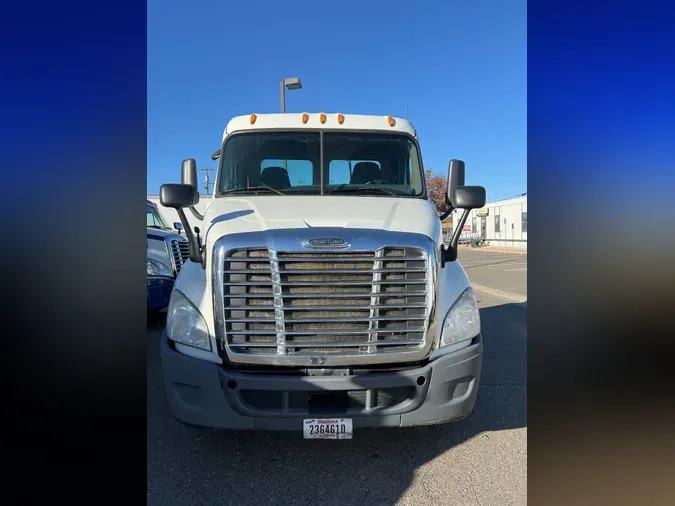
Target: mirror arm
column 455, row 236
column 446, row 213
column 450, row 253
column 195, row 250
column 196, row 215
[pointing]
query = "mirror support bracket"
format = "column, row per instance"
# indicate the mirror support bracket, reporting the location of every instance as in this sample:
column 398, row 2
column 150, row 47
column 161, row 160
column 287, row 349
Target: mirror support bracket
column 450, row 252
column 196, row 214
column 195, row 250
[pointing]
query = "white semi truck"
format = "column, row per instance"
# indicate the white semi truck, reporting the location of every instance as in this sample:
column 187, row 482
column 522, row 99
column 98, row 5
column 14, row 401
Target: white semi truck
column 320, row 296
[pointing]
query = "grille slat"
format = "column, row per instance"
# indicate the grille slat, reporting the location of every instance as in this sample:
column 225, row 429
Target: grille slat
column 325, row 303
column 325, row 307
column 325, row 283
column 319, row 259
column 181, row 253
column 341, row 295
column 329, row 320
column 292, row 344
column 332, row 271
column 272, row 332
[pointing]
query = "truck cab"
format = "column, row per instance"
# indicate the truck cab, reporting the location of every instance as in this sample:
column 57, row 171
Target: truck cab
column 321, row 297
column 167, row 251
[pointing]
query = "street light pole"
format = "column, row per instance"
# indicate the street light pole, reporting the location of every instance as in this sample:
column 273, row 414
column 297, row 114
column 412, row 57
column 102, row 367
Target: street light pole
column 283, row 96
column 292, row 83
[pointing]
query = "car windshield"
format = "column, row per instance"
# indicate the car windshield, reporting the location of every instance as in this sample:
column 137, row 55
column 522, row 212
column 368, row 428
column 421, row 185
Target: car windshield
column 289, row 163
column 152, row 218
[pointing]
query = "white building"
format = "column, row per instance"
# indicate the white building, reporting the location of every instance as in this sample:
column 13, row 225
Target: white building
column 502, row 223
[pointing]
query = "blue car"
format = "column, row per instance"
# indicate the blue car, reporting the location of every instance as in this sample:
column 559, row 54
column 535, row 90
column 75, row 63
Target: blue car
column 167, row 250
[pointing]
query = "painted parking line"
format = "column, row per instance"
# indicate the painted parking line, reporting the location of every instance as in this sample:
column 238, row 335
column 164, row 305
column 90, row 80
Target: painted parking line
column 499, row 263
column 501, row 294
column 521, row 269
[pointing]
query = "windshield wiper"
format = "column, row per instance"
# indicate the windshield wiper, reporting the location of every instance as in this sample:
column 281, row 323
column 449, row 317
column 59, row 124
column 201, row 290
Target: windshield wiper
column 372, row 190
column 254, row 188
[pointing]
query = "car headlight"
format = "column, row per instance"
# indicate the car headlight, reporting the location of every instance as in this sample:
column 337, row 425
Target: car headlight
column 462, row 323
column 185, row 324
column 156, row 268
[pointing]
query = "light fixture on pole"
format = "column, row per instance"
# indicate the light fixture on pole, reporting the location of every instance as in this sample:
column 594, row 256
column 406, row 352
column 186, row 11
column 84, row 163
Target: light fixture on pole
column 292, row 83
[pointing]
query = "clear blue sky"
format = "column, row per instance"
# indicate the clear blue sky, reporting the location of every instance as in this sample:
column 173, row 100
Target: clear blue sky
column 461, row 66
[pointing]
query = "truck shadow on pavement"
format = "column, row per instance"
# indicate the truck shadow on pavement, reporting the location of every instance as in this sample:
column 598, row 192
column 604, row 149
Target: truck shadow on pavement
column 198, row 466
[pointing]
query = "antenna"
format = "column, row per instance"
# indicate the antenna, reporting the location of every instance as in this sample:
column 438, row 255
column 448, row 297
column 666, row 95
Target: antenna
column 207, row 183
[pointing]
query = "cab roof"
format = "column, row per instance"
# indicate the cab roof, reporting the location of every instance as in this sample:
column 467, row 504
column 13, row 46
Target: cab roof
column 313, row 121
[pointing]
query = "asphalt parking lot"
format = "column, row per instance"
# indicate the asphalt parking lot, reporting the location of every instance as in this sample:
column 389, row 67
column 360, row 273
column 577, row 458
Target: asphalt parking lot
column 480, row 460
column 502, row 274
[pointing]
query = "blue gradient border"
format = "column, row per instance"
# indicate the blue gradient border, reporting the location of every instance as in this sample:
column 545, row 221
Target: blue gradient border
column 73, row 148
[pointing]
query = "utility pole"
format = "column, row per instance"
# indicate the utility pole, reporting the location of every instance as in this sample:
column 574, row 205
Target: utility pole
column 207, row 183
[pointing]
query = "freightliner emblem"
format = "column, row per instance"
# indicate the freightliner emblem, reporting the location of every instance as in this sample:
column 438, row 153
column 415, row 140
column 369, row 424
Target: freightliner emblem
column 326, row 242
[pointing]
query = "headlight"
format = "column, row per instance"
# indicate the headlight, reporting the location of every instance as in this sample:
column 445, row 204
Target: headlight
column 185, row 324
column 156, row 268
column 462, row 323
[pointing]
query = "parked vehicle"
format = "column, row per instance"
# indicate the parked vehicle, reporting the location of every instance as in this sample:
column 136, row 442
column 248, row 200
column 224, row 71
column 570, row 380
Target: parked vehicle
column 322, row 297
column 166, row 253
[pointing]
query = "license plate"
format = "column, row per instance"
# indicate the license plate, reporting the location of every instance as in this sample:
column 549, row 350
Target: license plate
column 327, row 428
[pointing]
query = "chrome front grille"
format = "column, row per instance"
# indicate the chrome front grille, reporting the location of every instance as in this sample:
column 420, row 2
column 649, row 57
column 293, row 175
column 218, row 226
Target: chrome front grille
column 297, row 307
column 181, row 253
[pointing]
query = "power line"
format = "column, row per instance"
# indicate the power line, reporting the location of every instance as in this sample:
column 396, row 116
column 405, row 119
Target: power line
column 508, row 198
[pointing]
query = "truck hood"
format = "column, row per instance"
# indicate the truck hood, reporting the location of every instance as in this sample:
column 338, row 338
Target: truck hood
column 229, row 215
column 160, row 235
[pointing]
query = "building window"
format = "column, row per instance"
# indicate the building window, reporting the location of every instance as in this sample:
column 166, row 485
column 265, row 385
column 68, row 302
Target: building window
column 524, row 218
column 497, row 224
column 473, row 224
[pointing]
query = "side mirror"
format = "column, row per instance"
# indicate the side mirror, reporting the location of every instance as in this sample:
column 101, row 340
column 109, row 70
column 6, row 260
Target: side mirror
column 178, row 226
column 469, row 197
column 456, row 170
column 188, row 175
column 178, row 196
column 465, row 198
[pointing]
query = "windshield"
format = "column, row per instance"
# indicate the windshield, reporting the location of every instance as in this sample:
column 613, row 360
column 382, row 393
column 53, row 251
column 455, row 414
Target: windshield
column 289, row 163
column 152, row 218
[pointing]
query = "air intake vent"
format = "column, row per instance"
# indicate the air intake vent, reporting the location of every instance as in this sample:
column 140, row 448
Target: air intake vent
column 181, row 253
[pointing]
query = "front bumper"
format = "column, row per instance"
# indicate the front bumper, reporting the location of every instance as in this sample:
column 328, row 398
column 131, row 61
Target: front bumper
column 205, row 394
column 159, row 292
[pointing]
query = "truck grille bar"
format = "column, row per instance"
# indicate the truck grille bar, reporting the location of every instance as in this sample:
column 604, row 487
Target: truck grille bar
column 180, row 251
column 292, row 307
